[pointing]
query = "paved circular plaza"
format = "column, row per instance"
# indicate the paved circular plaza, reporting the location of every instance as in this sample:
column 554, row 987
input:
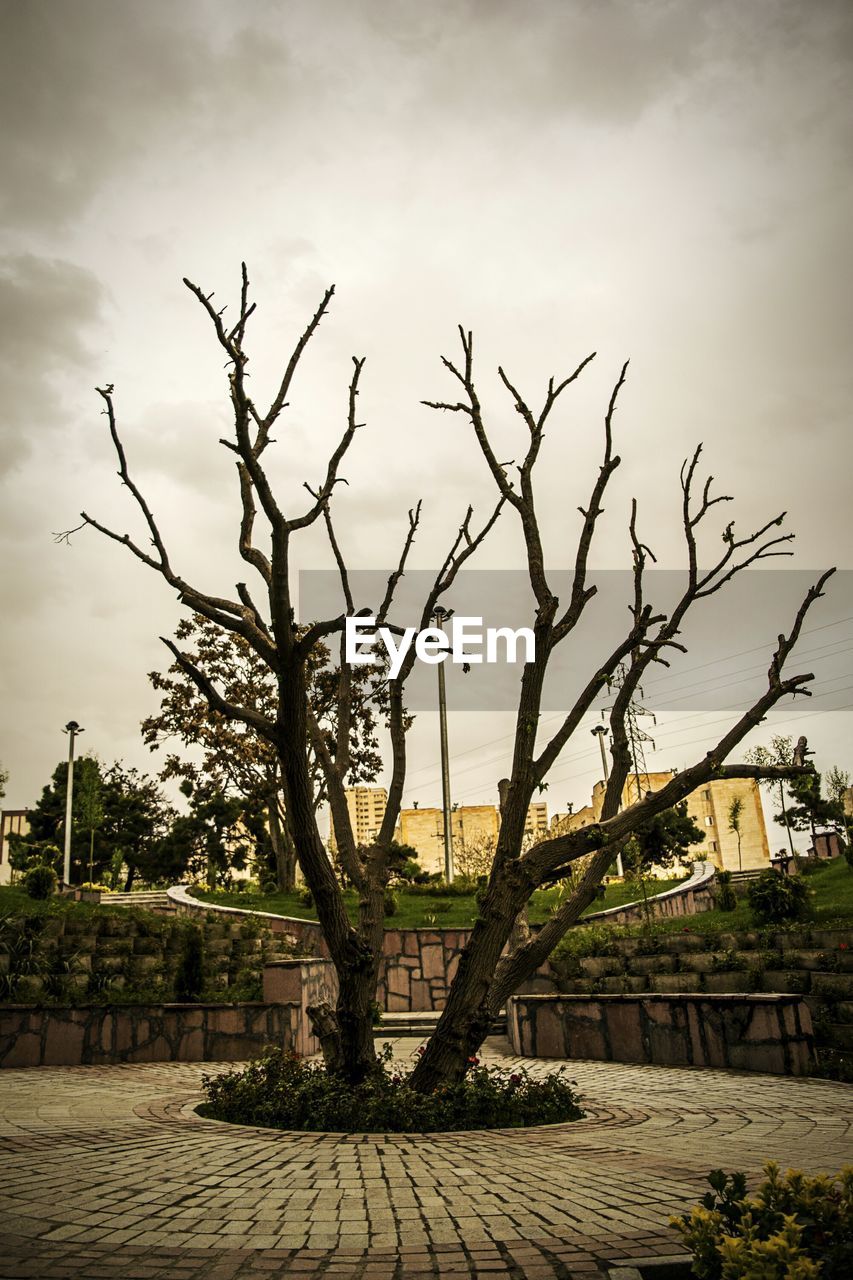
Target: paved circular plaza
column 107, row 1172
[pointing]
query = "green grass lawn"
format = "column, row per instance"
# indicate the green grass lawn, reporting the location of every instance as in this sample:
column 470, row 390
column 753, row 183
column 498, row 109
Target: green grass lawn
column 831, row 886
column 14, row 901
column 440, row 911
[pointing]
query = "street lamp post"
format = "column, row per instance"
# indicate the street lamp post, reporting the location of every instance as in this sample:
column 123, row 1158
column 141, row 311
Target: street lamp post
column 72, row 729
column 441, row 615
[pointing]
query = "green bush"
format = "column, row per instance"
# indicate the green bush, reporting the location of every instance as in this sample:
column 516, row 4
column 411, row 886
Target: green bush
column 726, row 896
column 775, row 898
column 391, row 905
column 40, row 882
column 189, row 977
column 796, row 1228
column 280, row 1091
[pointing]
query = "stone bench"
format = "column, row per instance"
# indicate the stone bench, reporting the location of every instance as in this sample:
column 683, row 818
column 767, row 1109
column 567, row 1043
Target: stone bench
column 771, row 1033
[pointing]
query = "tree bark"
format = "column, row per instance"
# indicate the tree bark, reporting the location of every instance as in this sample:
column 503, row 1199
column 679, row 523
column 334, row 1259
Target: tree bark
column 283, row 849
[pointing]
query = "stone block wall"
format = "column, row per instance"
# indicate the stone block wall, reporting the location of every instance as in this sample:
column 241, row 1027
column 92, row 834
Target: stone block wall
column 70, row 957
column 35, row 1036
column 417, row 968
column 808, row 961
column 771, row 1033
column 299, row 984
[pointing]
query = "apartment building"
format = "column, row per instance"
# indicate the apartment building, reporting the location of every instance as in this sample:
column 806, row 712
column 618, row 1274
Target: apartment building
column 709, row 808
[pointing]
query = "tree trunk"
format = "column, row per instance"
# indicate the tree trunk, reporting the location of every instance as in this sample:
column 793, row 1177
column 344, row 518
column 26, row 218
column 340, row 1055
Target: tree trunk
column 785, row 818
column 131, row 874
column 282, row 847
column 355, row 953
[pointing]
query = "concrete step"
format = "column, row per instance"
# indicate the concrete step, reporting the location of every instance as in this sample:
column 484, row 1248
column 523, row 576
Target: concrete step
column 148, row 899
column 423, row 1024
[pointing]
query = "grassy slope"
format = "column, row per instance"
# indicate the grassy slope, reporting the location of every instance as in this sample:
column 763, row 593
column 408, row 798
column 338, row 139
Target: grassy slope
column 421, row 909
column 831, row 886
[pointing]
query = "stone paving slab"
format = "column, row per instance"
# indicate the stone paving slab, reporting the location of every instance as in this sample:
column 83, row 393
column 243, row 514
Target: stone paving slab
column 108, row 1172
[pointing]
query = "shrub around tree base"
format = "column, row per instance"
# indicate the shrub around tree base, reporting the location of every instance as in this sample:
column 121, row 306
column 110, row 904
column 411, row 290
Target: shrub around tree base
column 281, row 1091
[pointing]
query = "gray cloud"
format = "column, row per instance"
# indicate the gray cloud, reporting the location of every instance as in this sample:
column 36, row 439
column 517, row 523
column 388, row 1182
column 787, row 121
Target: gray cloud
column 47, row 309
column 89, row 89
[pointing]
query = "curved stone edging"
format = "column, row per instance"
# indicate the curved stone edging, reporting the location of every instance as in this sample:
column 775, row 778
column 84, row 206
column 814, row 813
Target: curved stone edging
column 418, row 965
column 681, row 900
column 306, row 932
column 701, row 879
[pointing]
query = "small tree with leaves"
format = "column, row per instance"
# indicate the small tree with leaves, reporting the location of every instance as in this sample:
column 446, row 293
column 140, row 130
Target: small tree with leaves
column 495, row 959
column 778, row 755
column 734, row 815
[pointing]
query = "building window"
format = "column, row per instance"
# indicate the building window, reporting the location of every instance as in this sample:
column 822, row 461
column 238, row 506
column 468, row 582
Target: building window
column 706, row 795
column 712, row 845
column 709, row 821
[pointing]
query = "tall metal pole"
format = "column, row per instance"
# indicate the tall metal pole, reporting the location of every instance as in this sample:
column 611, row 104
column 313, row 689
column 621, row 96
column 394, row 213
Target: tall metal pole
column 72, row 729
column 441, row 615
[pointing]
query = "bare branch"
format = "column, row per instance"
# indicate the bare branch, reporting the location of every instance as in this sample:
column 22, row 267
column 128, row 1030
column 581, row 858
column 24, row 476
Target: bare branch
column 324, row 492
column 394, row 578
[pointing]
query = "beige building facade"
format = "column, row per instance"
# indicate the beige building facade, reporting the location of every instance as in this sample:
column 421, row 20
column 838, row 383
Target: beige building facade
column 709, row 808
column 474, row 828
column 366, row 807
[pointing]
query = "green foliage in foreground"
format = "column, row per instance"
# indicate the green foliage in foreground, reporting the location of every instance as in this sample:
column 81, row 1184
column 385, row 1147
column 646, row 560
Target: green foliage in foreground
column 794, row 1228
column 281, row 1091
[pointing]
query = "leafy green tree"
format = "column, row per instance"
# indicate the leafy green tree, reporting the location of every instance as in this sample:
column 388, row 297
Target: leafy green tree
column 90, row 808
column 137, row 818
column 115, row 811
column 811, row 808
column 233, row 757
column 660, row 843
column 207, row 841
column 780, row 753
column 45, row 838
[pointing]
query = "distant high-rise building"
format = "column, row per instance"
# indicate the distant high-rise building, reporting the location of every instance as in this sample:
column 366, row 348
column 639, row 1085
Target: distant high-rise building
column 366, row 807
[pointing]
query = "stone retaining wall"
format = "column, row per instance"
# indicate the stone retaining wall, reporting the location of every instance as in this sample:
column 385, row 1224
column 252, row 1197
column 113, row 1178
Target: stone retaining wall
column 36, row 1036
column 418, row 965
column 742, row 1032
column 300, row 983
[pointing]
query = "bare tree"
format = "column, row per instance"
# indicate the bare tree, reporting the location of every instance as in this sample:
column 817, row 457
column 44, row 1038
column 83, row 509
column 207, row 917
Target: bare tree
column 486, row 976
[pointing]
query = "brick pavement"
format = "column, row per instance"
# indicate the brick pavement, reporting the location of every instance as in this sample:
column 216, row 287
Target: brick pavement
column 107, row 1172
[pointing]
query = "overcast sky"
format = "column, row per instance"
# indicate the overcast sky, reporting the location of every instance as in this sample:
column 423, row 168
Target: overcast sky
column 669, row 182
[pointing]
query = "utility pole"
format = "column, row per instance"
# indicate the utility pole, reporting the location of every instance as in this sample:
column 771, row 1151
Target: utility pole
column 72, row 729
column 441, row 616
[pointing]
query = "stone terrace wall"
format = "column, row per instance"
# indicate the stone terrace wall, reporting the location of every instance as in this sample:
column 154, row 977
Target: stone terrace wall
column 307, row 934
column 807, row 961
column 418, row 965
column 301, row 983
column 743, row 1032
column 35, row 1036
